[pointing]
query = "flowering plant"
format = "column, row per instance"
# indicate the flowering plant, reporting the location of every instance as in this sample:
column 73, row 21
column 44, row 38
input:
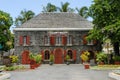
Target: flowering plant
column 85, row 56
column 14, row 58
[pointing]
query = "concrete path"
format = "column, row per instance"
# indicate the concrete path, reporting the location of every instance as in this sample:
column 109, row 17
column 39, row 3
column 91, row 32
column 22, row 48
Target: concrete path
column 60, row 72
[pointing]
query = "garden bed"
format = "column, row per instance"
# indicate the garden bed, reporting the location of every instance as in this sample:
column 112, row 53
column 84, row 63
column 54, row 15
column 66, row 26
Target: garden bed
column 14, row 68
column 105, row 67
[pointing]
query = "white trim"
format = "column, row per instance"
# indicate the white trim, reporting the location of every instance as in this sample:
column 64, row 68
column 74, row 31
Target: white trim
column 50, row 29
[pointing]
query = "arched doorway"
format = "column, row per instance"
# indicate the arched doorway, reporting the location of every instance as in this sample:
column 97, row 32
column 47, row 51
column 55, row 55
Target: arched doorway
column 58, row 53
column 47, row 55
column 70, row 53
column 25, row 57
column 92, row 55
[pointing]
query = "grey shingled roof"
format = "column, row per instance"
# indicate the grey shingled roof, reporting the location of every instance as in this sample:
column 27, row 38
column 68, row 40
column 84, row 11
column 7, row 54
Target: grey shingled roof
column 57, row 20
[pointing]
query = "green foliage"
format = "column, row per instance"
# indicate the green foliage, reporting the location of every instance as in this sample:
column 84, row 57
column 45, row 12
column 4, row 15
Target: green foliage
column 5, row 34
column 52, row 8
column 83, row 12
column 31, row 56
column 36, row 57
column 12, row 68
column 101, row 57
column 49, row 8
column 65, row 8
column 116, row 58
column 23, row 17
column 106, row 20
column 67, row 57
column 51, row 58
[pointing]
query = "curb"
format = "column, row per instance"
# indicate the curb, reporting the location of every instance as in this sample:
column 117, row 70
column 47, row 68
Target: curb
column 5, row 76
column 114, row 76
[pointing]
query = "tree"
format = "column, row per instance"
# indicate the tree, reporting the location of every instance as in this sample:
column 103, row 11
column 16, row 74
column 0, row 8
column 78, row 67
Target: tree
column 49, row 8
column 65, row 8
column 106, row 20
column 5, row 34
column 23, row 17
column 83, row 12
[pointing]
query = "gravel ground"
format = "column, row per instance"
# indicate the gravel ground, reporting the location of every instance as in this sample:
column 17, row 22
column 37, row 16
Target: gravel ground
column 61, row 72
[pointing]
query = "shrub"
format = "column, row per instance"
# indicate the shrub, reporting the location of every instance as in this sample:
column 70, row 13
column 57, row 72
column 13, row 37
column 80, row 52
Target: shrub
column 101, row 57
column 116, row 58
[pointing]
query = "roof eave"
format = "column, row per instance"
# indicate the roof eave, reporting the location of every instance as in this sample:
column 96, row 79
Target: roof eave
column 52, row 29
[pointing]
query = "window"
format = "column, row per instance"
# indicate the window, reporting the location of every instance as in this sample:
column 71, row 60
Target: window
column 24, row 40
column 46, row 40
column 69, row 40
column 58, row 40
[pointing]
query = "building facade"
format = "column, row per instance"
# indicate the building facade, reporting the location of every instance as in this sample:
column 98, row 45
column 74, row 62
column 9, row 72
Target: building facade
column 55, row 33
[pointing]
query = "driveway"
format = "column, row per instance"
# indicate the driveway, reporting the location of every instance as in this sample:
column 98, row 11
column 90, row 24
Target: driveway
column 60, row 72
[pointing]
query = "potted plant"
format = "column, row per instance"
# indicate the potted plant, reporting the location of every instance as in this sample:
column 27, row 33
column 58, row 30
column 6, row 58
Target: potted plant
column 32, row 61
column 51, row 59
column 85, row 57
column 67, row 59
column 38, row 58
column 116, row 59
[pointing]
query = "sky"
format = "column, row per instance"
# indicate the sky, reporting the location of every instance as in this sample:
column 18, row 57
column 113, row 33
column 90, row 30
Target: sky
column 13, row 7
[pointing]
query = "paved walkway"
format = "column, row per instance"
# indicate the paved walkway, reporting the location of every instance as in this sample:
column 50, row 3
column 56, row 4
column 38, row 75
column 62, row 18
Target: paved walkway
column 60, row 72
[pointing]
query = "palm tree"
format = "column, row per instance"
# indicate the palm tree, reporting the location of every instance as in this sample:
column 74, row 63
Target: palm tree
column 49, row 8
column 65, row 8
column 83, row 12
column 23, row 17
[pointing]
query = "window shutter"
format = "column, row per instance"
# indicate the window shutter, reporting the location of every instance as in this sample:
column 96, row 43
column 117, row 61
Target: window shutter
column 65, row 53
column 21, row 40
column 84, row 39
column 64, row 40
column 74, row 55
column 42, row 53
column 28, row 40
column 52, row 40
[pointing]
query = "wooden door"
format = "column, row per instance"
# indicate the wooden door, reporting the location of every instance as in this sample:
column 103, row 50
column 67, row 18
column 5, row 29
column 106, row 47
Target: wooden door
column 58, row 56
column 25, row 57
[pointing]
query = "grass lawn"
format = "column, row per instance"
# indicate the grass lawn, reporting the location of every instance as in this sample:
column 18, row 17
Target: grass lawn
column 105, row 67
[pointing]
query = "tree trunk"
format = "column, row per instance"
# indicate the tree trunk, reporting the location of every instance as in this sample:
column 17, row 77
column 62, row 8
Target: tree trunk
column 116, row 48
